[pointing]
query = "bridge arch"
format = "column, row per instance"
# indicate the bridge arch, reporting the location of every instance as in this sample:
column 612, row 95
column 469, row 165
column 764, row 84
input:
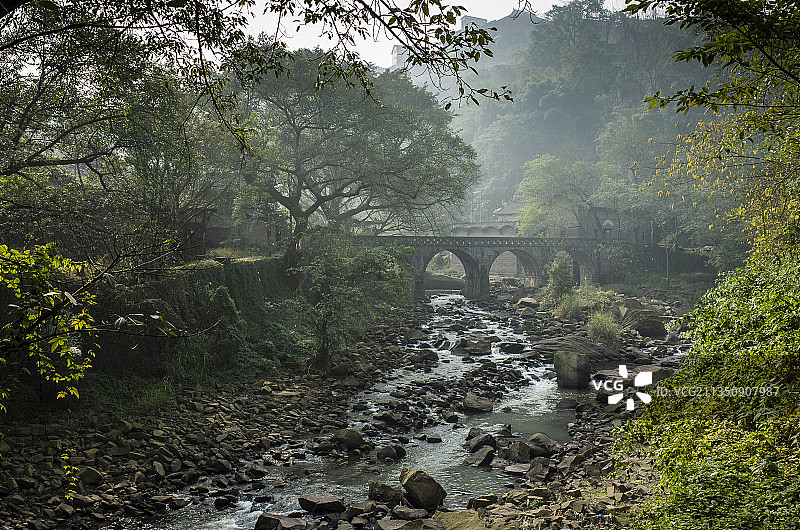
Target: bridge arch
column 530, row 267
column 587, row 271
column 472, row 271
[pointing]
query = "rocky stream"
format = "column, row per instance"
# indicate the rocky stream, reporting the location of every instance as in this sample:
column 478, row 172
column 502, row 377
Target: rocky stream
column 462, row 403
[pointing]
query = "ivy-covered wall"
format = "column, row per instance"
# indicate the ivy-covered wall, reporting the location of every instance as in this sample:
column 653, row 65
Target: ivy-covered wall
column 218, row 309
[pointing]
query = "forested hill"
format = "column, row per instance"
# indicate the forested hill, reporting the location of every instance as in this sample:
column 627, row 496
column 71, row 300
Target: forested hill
column 577, row 91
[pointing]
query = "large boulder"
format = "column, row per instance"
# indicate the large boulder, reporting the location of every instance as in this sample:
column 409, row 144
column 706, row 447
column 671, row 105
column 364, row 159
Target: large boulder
column 541, row 445
column 475, row 403
column 386, row 452
column 475, row 344
column 527, row 302
column 481, row 440
column 539, row 470
column 322, row 503
column 513, row 347
column 519, row 452
column 647, row 322
column 385, row 494
column 482, row 457
column 598, row 353
column 90, row 476
column 422, row 490
column 349, row 438
column 572, row 369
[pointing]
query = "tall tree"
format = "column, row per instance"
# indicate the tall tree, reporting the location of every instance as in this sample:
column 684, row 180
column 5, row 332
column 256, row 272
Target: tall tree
column 555, row 186
column 750, row 153
column 334, row 157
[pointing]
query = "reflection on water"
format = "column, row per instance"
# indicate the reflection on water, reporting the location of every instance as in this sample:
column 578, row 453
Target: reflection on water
column 530, row 409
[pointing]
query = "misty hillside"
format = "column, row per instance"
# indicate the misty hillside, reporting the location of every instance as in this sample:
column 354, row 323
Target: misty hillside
column 578, row 83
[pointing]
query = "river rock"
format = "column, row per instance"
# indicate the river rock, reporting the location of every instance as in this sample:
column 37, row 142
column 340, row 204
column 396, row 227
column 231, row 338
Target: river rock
column 476, row 344
column 463, row 520
column 597, row 353
column 482, row 457
column 321, row 503
column 409, row 514
column 519, row 452
column 349, row 438
column 90, row 476
column 570, row 463
column 385, row 494
column 645, row 321
column 527, row 302
column 479, row 441
column 450, row 416
column 659, row 372
column 422, row 490
column 539, row 470
column 475, row 403
column 517, row 469
column 541, row 445
column 473, row 432
column 512, row 347
column 386, row 452
column 481, row 502
column 360, row 508
column 572, row 369
column 268, row 521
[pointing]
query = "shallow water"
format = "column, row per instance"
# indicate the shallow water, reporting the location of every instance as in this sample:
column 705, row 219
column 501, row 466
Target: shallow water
column 530, row 409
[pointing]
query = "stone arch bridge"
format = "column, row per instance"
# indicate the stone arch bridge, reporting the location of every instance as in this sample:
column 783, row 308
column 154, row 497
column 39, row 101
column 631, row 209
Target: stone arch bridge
column 477, row 254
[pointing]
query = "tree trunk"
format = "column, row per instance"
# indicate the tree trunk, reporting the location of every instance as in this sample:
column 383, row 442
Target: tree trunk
column 294, row 252
column 322, row 357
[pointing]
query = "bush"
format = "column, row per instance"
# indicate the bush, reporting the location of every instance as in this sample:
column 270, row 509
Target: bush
column 728, row 457
column 560, row 280
column 343, row 289
column 604, row 329
column 569, row 307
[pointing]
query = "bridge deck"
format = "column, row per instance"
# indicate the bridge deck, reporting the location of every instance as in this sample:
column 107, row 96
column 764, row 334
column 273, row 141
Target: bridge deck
column 495, row 241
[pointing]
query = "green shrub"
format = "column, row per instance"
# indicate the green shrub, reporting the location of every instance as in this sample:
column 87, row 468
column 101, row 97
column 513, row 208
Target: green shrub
column 597, row 297
column 728, row 458
column 568, row 307
column 604, row 329
column 560, row 281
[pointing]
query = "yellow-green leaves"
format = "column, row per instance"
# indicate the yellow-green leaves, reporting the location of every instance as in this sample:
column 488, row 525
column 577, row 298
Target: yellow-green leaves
column 43, row 330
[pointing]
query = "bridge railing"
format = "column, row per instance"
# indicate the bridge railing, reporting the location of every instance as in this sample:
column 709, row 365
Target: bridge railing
column 495, row 241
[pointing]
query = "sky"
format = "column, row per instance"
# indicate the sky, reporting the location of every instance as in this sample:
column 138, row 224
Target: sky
column 379, row 52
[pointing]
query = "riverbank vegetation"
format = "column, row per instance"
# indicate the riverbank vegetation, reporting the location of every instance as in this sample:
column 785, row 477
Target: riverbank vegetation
column 134, row 140
column 725, row 435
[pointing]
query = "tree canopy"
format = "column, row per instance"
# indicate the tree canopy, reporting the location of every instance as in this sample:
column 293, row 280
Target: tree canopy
column 336, row 157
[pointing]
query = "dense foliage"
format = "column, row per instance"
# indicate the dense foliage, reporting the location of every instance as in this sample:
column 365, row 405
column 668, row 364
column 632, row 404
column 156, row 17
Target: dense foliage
column 130, row 131
column 44, row 321
column 729, row 454
column 344, row 288
column 560, row 277
column 336, row 158
column 725, row 435
column 578, row 138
